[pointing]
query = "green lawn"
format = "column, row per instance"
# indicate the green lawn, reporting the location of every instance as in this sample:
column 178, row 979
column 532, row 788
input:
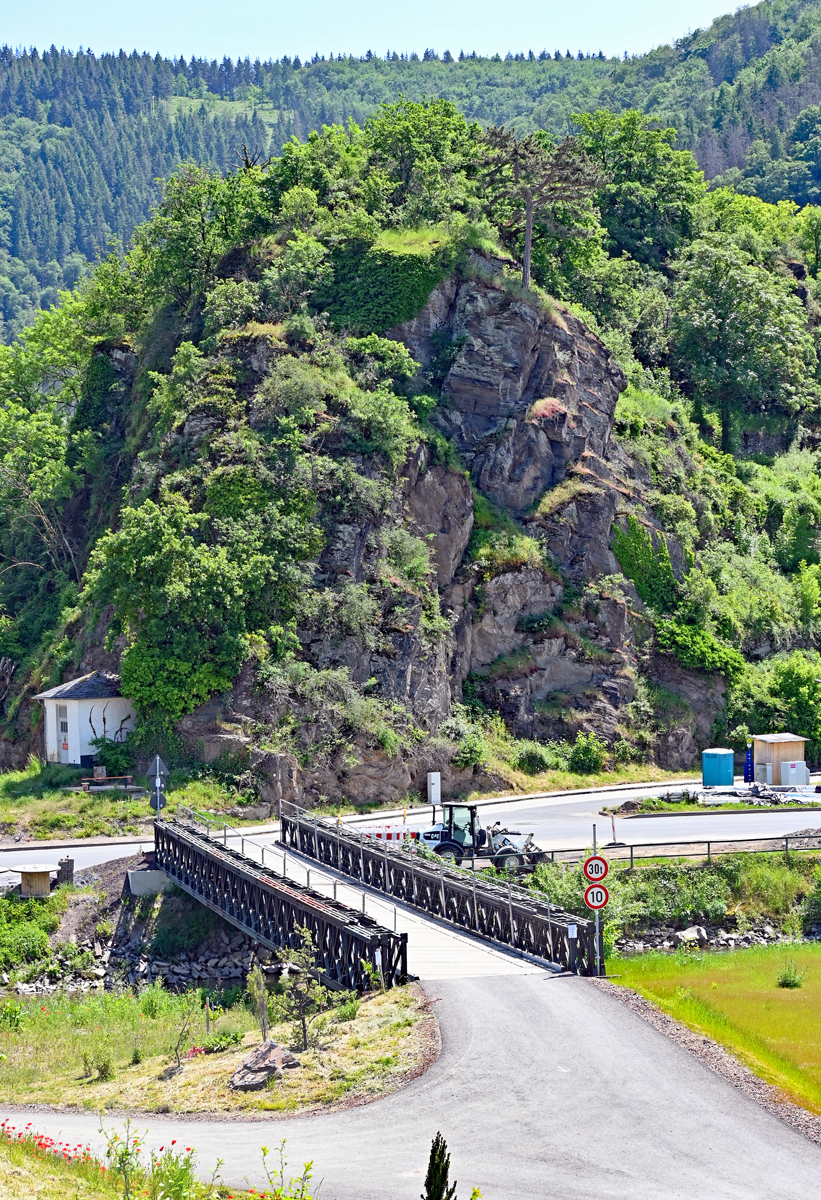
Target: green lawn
column 734, row 998
column 38, row 802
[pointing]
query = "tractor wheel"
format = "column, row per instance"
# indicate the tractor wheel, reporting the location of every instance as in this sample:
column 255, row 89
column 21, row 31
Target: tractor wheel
column 448, row 854
column 507, row 860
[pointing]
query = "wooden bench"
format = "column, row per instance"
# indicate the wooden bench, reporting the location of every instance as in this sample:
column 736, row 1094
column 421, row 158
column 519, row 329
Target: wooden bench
column 101, row 782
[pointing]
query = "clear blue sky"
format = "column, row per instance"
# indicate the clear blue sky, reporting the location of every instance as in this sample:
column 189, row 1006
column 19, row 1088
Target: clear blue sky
column 213, row 28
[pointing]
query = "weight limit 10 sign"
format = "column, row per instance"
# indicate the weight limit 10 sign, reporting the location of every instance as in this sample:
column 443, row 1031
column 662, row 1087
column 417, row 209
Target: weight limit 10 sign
column 596, row 896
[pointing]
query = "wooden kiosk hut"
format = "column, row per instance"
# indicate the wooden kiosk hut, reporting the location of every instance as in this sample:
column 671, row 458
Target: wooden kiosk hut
column 773, row 749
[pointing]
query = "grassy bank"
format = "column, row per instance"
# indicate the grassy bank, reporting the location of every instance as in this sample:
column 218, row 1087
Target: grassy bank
column 38, row 803
column 28, row 1169
column 114, row 1051
column 736, row 999
column 732, row 890
column 660, row 804
column 560, row 781
column 34, row 1165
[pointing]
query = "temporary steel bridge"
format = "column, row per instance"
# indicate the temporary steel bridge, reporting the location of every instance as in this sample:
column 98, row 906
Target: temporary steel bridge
column 350, row 946
column 502, row 913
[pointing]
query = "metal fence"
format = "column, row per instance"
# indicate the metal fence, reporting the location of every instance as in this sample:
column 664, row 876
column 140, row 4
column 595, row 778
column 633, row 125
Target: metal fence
column 268, row 906
column 501, row 913
column 693, row 848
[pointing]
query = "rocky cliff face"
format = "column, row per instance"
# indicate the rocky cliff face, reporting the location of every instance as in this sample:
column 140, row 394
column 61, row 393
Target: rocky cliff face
column 528, row 394
column 528, row 397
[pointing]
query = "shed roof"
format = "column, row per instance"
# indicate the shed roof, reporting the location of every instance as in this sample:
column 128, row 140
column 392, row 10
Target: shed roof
column 97, row 685
column 778, row 737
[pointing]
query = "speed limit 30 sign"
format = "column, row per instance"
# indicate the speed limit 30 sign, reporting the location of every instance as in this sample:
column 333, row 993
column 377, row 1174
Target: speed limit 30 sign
column 595, row 868
column 596, row 896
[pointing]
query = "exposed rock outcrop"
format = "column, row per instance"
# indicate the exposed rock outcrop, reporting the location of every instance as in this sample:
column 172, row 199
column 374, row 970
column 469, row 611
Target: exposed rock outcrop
column 528, row 397
column 528, row 402
column 529, row 392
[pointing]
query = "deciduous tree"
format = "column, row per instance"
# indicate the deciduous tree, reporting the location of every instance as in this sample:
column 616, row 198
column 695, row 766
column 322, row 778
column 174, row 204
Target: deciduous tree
column 740, row 335
column 649, row 202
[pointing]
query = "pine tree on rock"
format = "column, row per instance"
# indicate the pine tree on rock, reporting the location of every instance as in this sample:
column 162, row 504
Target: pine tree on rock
column 542, row 178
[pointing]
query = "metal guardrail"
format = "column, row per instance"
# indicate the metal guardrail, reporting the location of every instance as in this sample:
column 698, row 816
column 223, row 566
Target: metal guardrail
column 689, row 848
column 268, row 906
column 505, row 914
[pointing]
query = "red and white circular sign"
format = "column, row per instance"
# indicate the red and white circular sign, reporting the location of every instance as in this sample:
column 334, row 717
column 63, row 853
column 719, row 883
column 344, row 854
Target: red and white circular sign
column 596, row 896
column 595, row 868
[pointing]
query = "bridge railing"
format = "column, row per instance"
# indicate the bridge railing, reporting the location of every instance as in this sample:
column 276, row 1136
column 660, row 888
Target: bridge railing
column 351, row 947
column 501, row 913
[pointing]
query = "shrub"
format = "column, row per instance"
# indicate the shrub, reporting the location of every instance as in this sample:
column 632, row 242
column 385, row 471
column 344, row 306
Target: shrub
column 12, row 1015
column 589, row 754
column 22, row 943
column 699, row 649
column 374, row 288
column 625, row 752
column 472, row 752
column 382, row 423
column 222, row 1041
column 533, row 760
column 789, row 976
column 116, row 756
column 498, row 551
column 535, row 757
column 347, row 1011
column 98, row 1059
column 647, row 566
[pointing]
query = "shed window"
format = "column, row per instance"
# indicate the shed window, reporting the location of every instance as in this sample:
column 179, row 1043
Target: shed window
column 62, row 718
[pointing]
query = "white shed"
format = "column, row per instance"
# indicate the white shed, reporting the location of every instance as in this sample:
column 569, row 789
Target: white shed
column 84, row 708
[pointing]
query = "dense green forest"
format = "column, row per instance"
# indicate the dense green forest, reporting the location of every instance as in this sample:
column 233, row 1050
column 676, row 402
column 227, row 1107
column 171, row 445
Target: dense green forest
column 85, row 139
column 155, row 479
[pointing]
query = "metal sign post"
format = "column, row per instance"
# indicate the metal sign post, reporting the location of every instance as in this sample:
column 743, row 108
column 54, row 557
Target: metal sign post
column 159, row 771
column 598, row 957
column 596, row 897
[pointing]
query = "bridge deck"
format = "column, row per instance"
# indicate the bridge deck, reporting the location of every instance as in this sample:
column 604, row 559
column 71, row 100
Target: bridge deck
column 435, row 951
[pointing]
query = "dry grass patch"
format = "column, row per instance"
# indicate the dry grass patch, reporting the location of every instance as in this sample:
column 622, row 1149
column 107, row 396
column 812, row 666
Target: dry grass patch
column 63, row 1057
column 557, row 781
column 562, row 494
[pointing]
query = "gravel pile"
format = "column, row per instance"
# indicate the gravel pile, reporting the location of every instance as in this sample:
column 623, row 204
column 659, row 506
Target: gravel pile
column 718, row 1060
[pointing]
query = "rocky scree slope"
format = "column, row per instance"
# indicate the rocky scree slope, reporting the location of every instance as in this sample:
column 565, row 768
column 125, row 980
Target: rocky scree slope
column 519, row 526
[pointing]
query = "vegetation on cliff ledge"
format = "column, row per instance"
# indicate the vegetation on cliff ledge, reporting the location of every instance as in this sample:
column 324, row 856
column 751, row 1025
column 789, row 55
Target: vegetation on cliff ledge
column 202, row 449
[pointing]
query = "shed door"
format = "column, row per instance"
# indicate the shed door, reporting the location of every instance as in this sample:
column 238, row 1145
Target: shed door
column 62, row 732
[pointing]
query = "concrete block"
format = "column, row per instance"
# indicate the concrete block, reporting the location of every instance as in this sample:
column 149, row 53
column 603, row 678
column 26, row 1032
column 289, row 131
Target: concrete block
column 148, row 883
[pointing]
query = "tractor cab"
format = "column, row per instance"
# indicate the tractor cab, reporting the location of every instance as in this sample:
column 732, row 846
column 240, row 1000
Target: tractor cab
column 459, row 835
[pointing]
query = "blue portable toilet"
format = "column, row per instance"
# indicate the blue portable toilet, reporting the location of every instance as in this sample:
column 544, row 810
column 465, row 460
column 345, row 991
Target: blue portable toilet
column 717, row 768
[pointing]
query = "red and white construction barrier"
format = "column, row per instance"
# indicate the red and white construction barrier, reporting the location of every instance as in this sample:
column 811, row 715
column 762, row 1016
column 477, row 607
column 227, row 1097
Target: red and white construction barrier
column 387, row 833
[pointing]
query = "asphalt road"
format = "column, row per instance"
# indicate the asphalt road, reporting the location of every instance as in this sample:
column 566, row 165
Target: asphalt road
column 545, row 1087
column 557, row 822
column 566, row 822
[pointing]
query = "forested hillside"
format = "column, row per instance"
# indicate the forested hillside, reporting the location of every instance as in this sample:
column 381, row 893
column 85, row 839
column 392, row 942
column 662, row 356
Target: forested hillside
column 309, row 462
column 84, row 139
